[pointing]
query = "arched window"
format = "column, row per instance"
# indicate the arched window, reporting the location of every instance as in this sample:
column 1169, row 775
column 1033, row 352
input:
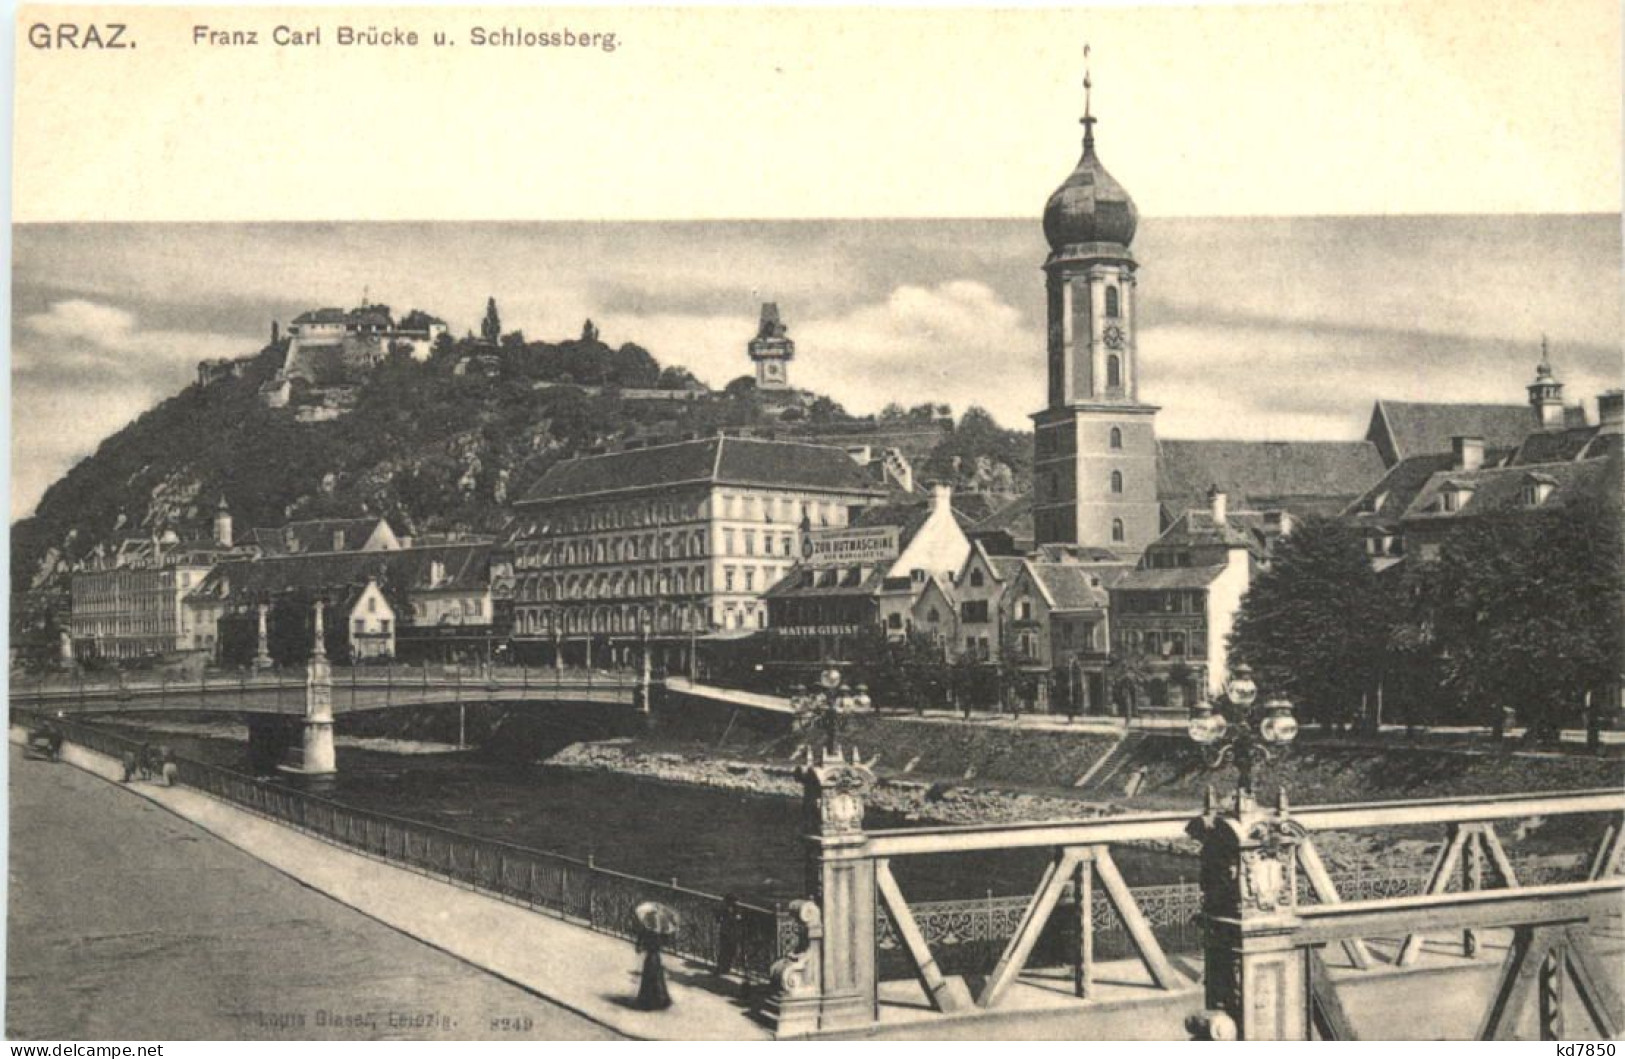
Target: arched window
column 1117, row 481
column 1111, row 302
column 1114, row 372
column 1116, row 438
column 1117, row 530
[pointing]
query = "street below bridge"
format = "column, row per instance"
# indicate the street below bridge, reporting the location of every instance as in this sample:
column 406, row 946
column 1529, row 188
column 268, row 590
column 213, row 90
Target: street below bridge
column 145, row 927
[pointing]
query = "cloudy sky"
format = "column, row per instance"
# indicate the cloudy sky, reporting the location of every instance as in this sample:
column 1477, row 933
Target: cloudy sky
column 1265, row 328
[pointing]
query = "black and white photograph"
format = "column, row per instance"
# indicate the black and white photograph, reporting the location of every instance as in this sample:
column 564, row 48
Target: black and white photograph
column 1089, row 523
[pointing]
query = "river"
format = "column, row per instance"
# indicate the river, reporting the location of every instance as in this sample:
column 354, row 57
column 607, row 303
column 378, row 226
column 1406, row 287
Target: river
column 705, row 838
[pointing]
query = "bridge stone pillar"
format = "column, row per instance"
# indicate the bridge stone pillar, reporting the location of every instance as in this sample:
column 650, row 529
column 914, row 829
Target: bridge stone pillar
column 1256, row 975
column 841, row 878
column 262, row 655
column 319, row 757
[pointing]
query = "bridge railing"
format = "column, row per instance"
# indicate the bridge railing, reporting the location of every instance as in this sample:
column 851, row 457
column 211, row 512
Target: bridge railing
column 569, row 888
column 354, row 687
column 869, row 931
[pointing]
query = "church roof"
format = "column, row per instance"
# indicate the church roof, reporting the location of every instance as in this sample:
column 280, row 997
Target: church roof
column 712, row 461
column 1413, row 428
column 1304, row 477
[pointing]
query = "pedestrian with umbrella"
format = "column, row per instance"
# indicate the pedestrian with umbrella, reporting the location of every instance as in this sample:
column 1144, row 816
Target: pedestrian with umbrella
column 656, row 925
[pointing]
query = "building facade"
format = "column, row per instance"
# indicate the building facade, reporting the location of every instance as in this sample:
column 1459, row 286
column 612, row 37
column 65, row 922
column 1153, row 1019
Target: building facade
column 682, row 539
column 870, row 575
column 1171, row 617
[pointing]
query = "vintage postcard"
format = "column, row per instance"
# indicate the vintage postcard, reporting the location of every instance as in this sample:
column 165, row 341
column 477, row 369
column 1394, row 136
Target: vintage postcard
column 900, row 523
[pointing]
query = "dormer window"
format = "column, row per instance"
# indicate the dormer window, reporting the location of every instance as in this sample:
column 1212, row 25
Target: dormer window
column 1454, row 497
column 976, row 578
column 1536, row 488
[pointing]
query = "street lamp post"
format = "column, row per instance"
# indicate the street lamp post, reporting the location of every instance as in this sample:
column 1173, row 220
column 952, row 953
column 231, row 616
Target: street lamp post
column 1238, row 729
column 821, row 706
column 1254, row 967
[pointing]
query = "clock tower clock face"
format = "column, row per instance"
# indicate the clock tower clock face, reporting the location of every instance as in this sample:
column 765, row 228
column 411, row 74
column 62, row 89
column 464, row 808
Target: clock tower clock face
column 1114, row 336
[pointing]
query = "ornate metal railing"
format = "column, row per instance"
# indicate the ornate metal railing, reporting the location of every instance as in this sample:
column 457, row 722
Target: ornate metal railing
column 571, row 889
column 968, row 935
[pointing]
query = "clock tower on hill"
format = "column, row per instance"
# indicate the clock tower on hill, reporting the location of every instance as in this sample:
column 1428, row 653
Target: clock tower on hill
column 1095, row 459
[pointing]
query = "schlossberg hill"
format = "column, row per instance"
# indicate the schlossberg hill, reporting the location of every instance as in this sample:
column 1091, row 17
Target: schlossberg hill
column 438, row 445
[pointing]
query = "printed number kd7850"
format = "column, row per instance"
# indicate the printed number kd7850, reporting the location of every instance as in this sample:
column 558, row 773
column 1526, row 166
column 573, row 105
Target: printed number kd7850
column 1584, row 1050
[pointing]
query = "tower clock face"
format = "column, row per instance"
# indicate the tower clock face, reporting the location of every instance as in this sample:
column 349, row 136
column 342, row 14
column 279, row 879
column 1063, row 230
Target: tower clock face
column 1113, row 336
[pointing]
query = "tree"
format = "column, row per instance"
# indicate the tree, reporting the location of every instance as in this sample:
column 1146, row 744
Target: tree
column 1128, row 676
column 825, row 410
column 1314, row 624
column 1526, row 613
column 589, row 331
column 744, row 386
column 491, row 326
column 675, row 377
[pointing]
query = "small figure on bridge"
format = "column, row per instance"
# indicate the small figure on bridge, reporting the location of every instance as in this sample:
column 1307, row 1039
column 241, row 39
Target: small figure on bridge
column 53, row 742
column 167, row 767
column 656, row 924
column 130, row 763
column 730, row 926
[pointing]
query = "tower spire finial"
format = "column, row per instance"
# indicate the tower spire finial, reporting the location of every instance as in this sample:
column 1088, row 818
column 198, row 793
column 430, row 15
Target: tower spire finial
column 1545, row 353
column 1088, row 119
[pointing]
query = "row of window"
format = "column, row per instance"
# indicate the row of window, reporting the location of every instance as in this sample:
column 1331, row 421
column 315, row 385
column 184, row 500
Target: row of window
column 1165, row 643
column 741, row 508
column 626, row 584
column 650, row 547
column 1182, row 601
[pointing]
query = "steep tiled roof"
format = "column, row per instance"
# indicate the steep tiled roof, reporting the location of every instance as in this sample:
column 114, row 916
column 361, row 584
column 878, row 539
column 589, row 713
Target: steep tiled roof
column 316, row 535
column 1069, row 586
column 731, row 461
column 1412, row 428
column 1304, row 477
column 1389, row 498
column 1554, row 446
column 1500, row 489
column 1172, row 577
column 466, row 568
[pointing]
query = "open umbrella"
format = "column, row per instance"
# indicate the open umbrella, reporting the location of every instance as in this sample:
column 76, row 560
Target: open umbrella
column 657, row 918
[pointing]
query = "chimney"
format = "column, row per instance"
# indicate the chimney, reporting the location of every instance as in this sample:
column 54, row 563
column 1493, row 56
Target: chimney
column 1218, row 503
column 941, row 496
column 1469, row 452
column 1611, row 412
column 222, row 524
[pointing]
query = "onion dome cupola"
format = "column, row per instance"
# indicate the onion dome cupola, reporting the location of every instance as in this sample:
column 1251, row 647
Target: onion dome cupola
column 1090, row 206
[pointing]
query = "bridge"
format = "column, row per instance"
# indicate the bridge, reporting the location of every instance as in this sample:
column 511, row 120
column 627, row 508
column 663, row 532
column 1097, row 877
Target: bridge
column 354, row 689
column 290, row 718
column 1509, row 928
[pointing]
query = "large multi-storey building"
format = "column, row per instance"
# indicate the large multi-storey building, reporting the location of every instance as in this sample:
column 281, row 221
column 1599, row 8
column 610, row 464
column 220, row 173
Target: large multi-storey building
column 679, row 539
column 131, row 604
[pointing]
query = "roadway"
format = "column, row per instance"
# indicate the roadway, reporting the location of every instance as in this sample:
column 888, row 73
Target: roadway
column 142, row 926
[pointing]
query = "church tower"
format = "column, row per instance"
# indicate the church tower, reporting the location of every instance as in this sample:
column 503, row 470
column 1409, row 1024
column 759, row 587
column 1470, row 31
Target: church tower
column 1095, row 459
column 772, row 350
column 1546, row 393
